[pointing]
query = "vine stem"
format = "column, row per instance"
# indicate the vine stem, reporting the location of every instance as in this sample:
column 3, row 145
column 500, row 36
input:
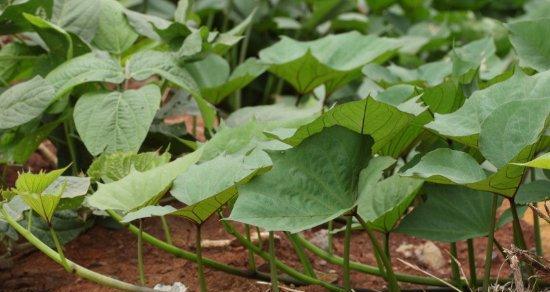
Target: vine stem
column 304, row 260
column 140, row 253
column 75, row 268
column 489, row 247
column 455, row 270
column 251, row 260
column 536, row 225
column 330, row 236
column 273, row 264
column 347, row 245
column 200, row 265
column 472, row 263
column 166, row 229
column 70, row 145
column 390, row 276
column 59, row 248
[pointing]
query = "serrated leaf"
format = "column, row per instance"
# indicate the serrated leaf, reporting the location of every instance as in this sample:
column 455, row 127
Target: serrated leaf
column 116, row 121
column 112, row 167
column 92, row 67
column 206, row 187
column 456, row 213
column 24, row 102
column 37, row 182
column 140, row 189
column 309, row 185
column 333, row 60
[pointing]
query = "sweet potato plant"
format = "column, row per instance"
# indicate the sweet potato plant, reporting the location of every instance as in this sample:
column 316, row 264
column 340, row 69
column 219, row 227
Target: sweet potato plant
column 387, row 116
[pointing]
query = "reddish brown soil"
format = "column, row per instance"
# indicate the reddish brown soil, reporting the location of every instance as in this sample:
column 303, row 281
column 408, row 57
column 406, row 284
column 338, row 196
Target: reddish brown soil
column 113, row 252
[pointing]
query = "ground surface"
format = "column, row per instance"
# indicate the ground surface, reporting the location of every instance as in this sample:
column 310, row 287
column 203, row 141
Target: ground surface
column 112, row 252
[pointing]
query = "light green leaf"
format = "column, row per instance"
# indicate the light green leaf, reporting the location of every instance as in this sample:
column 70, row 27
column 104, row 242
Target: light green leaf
column 24, row 102
column 114, row 166
column 472, row 55
column 529, row 38
column 224, row 41
column 385, row 202
column 542, row 161
column 333, row 60
column 77, row 16
column 146, row 212
column 140, row 189
column 15, row 208
column 116, row 121
column 455, row 213
column 92, row 67
column 206, row 187
column 37, row 182
column 114, row 34
column 512, row 127
column 464, row 125
column 309, row 185
column 69, row 186
column 43, row 204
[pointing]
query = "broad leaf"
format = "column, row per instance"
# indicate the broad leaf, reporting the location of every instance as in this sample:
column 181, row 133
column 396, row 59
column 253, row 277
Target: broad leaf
column 37, row 182
column 472, row 56
column 333, row 60
column 206, row 187
column 24, row 102
column 308, row 185
column 379, row 119
column 114, row 34
column 533, row 192
column 92, row 67
column 455, row 213
column 146, row 212
column 464, row 125
column 116, row 121
column 384, row 204
column 70, row 186
column 140, row 189
column 532, row 45
column 215, row 82
column 542, row 161
column 112, row 167
column 58, row 40
column 11, row 18
column 77, row 16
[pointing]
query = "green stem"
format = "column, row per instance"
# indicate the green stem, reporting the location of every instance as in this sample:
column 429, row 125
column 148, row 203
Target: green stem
column 59, row 248
column 518, row 233
column 472, row 263
column 390, row 276
column 75, row 268
column 140, row 254
column 489, row 247
column 347, row 245
column 280, row 265
column 166, row 229
column 200, row 267
column 267, row 89
column 70, row 145
column 536, row 225
column 272, row 264
column 330, row 237
column 260, row 240
column 304, row 260
column 455, row 270
column 251, row 260
column 29, row 219
column 387, row 244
